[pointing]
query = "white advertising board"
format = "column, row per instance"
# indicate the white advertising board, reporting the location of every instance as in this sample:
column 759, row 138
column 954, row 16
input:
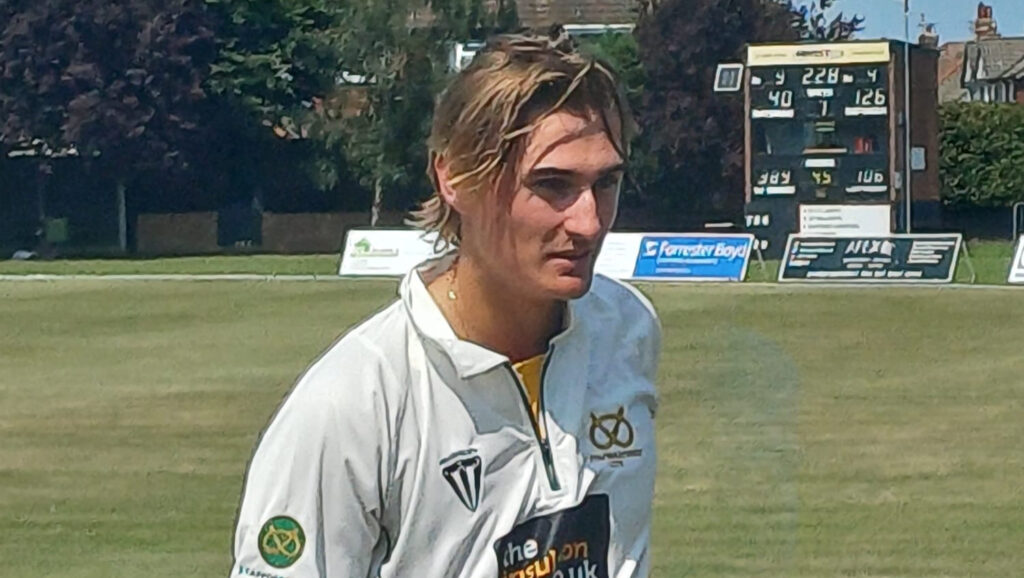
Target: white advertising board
column 617, row 258
column 845, row 220
column 384, row 252
column 1017, row 266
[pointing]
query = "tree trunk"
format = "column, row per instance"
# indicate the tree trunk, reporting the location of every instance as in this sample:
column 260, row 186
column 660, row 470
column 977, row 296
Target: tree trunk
column 378, row 198
column 122, row 218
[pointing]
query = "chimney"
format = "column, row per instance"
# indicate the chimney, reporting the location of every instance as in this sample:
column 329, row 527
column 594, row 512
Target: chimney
column 985, row 25
column 929, row 37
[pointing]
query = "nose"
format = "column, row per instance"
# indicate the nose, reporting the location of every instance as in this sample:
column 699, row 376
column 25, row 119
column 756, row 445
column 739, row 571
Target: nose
column 583, row 218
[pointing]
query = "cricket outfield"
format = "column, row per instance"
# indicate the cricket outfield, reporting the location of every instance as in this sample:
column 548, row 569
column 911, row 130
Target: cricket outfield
column 802, row 432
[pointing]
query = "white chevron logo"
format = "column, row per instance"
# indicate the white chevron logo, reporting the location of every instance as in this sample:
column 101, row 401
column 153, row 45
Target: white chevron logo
column 463, row 472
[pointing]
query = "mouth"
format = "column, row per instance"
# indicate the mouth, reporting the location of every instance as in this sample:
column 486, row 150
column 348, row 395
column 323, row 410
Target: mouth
column 574, row 257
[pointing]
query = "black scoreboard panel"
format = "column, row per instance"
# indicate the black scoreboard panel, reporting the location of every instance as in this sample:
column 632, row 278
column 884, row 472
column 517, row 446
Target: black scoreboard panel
column 823, row 130
column 847, row 178
column 819, row 92
column 770, row 221
column 819, row 132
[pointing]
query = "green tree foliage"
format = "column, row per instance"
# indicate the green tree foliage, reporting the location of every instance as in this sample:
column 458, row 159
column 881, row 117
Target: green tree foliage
column 620, row 50
column 121, row 82
column 696, row 135
column 812, row 21
column 402, row 53
column 356, row 78
column 275, row 55
column 981, row 159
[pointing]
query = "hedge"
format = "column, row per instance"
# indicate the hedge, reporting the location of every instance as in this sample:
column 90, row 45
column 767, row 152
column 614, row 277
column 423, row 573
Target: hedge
column 981, row 154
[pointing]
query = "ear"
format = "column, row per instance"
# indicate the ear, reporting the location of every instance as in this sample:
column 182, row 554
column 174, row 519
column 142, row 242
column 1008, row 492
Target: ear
column 445, row 190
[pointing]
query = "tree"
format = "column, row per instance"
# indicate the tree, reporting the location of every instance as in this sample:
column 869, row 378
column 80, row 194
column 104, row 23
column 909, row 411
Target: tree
column 356, row 78
column 694, row 135
column 981, row 160
column 402, row 55
column 120, row 83
column 811, row 21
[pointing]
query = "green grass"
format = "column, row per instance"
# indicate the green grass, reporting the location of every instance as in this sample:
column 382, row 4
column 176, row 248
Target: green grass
column 803, row 433
column 220, row 264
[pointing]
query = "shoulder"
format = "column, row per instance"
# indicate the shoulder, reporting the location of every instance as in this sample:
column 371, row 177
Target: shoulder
column 618, row 317
column 353, row 378
column 616, row 301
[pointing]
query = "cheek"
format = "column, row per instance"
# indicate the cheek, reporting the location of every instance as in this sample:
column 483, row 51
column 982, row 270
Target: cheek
column 534, row 223
column 608, row 209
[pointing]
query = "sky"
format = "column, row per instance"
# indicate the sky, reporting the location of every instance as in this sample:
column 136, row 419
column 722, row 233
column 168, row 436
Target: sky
column 953, row 18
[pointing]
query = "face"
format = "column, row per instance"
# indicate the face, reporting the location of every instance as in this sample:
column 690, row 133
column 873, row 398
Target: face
column 539, row 233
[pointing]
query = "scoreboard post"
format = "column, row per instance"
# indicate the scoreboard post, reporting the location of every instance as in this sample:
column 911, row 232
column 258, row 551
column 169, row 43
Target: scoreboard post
column 824, row 126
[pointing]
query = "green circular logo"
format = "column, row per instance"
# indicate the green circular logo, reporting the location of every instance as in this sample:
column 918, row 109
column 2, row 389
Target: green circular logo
column 281, row 541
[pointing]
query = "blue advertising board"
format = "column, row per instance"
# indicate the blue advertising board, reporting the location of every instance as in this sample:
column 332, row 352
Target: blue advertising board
column 693, row 257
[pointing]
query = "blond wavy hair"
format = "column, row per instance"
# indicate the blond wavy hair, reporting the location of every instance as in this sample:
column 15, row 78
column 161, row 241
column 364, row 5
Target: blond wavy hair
column 481, row 120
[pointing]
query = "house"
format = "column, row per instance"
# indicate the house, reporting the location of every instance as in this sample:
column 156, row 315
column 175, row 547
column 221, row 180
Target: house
column 950, row 64
column 951, row 71
column 577, row 17
column 993, row 65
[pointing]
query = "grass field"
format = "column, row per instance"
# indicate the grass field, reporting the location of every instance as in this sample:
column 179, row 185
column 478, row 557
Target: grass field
column 803, row 432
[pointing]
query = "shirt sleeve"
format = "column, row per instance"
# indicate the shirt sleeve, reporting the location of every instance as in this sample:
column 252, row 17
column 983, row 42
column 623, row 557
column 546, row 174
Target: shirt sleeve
column 315, row 487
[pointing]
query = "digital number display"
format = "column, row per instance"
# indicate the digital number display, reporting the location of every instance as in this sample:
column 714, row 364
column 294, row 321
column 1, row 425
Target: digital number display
column 820, row 75
column 822, row 178
column 775, row 177
column 819, row 92
column 781, row 98
column 870, row 177
column 871, row 97
column 820, row 132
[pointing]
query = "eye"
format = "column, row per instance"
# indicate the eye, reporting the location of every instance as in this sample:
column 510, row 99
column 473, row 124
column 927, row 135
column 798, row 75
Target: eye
column 608, row 184
column 552, row 187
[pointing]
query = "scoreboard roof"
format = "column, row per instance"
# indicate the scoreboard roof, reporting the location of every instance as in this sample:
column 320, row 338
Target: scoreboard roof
column 817, row 54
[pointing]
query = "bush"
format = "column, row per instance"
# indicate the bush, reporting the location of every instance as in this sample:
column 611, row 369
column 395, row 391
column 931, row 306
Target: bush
column 981, row 154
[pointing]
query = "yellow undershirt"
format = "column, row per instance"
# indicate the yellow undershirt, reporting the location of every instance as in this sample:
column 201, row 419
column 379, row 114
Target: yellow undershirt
column 529, row 371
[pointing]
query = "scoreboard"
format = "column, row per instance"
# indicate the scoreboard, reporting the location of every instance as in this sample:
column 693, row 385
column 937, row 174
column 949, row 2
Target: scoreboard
column 821, row 128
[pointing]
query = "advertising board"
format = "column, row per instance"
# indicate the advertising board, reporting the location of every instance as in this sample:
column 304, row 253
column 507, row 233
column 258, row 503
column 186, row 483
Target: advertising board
column 1017, row 265
column 900, row 258
column 845, row 220
column 676, row 256
column 627, row 256
column 893, row 258
column 384, row 252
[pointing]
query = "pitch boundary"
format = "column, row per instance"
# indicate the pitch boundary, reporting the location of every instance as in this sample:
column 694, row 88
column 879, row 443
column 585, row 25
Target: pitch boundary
column 335, row 278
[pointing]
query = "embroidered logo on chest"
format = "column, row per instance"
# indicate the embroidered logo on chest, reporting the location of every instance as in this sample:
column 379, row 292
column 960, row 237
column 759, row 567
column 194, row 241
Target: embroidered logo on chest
column 613, row 436
column 464, row 471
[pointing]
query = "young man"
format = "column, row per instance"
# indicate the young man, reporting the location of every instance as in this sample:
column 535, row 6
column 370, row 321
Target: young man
column 497, row 421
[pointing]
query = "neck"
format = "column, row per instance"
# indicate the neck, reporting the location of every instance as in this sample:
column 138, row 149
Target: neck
column 487, row 313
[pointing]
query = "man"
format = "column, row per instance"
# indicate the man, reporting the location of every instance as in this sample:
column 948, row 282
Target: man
column 498, row 419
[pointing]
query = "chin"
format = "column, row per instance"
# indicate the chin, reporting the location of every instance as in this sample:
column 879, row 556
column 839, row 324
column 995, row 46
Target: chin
column 566, row 288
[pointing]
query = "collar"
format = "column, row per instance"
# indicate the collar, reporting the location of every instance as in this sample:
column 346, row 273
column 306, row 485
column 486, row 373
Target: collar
column 469, row 359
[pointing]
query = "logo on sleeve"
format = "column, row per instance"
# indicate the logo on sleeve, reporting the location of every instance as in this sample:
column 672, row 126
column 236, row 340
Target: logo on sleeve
column 281, row 541
column 463, row 472
column 611, row 431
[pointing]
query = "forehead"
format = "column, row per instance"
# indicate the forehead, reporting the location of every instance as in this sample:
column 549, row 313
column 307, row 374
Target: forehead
column 571, row 142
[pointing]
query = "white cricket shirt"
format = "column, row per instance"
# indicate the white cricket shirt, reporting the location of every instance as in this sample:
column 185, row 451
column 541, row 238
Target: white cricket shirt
column 405, row 452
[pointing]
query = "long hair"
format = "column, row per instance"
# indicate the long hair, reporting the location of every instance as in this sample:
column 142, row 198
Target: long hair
column 482, row 119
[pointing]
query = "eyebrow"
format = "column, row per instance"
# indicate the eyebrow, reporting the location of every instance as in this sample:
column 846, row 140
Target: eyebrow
column 557, row 172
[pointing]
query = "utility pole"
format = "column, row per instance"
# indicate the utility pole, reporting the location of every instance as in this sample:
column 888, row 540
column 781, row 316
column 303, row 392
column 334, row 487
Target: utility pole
column 908, row 146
